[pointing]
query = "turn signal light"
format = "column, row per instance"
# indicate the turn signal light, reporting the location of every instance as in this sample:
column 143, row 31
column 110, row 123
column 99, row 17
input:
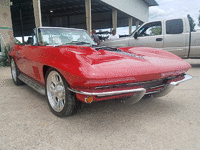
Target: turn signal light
column 89, row 99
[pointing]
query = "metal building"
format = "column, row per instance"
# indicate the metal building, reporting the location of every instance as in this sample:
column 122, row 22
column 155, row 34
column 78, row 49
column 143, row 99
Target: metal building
column 85, row 14
column 6, row 30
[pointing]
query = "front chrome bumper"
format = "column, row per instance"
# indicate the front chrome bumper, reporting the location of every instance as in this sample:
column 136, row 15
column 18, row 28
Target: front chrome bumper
column 139, row 92
column 112, row 93
column 170, row 86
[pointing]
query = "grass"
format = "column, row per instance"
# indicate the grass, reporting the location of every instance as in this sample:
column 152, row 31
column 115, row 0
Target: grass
column 4, row 61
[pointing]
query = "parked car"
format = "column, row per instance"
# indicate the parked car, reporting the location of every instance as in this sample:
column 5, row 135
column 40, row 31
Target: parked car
column 172, row 35
column 66, row 66
column 103, row 35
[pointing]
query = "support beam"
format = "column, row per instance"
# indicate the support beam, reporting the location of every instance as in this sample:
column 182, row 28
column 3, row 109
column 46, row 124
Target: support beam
column 137, row 24
column 60, row 21
column 130, row 20
column 88, row 16
column 37, row 13
column 22, row 27
column 68, row 23
column 114, row 18
column 48, row 21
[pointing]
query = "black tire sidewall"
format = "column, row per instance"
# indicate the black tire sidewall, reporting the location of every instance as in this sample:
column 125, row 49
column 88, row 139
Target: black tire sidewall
column 18, row 81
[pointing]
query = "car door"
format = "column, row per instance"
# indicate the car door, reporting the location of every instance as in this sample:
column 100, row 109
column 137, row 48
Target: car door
column 35, row 62
column 34, row 56
column 26, row 54
column 176, row 37
column 195, row 45
column 148, row 35
column 21, row 58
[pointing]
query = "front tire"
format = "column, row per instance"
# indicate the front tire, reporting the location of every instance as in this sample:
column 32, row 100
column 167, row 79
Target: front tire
column 15, row 73
column 61, row 101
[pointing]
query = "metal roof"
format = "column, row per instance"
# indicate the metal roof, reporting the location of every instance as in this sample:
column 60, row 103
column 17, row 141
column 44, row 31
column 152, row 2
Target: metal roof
column 151, row 2
column 65, row 13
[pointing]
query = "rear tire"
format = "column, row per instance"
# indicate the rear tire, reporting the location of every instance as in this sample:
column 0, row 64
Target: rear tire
column 61, row 101
column 15, row 73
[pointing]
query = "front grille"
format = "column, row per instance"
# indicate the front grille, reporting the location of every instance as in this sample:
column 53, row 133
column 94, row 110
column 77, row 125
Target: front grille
column 148, row 85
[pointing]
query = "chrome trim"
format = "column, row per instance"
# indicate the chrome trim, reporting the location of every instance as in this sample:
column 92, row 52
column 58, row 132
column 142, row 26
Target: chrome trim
column 32, row 83
column 56, row 92
column 112, row 93
column 156, row 86
column 155, row 91
column 13, row 70
column 43, row 27
column 170, row 86
column 152, row 92
column 135, row 98
column 139, row 93
column 187, row 77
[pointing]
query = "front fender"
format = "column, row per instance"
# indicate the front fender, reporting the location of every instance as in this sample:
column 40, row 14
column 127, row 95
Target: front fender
column 75, row 68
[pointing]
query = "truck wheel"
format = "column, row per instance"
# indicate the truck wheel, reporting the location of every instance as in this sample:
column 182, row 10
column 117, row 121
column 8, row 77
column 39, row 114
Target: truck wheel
column 61, row 101
column 15, row 73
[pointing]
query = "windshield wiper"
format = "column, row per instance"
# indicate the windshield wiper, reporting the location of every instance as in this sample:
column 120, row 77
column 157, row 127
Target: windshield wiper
column 78, row 43
column 73, row 42
column 59, row 45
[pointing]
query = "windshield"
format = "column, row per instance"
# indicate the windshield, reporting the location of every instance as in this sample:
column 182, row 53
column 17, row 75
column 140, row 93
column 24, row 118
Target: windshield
column 61, row 36
column 135, row 30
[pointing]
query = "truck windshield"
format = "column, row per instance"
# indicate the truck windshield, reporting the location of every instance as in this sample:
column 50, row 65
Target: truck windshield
column 62, row 36
column 135, row 30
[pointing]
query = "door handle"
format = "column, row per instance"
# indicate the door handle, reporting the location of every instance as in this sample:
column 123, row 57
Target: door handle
column 159, row 39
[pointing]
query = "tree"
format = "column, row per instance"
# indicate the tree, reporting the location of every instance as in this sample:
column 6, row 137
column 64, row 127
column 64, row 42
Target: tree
column 199, row 19
column 156, row 30
column 191, row 21
column 4, row 61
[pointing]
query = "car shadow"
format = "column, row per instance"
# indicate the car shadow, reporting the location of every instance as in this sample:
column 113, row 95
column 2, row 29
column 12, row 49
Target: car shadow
column 111, row 113
column 6, row 82
column 34, row 93
column 107, row 114
column 195, row 65
column 114, row 106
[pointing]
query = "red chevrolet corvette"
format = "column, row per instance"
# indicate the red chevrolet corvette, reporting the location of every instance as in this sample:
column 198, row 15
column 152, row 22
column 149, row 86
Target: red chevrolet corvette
column 69, row 68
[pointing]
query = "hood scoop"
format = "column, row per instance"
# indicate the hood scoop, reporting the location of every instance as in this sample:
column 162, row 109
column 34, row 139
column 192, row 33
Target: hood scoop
column 116, row 50
column 129, row 54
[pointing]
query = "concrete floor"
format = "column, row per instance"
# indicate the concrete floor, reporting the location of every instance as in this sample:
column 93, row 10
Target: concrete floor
column 168, row 123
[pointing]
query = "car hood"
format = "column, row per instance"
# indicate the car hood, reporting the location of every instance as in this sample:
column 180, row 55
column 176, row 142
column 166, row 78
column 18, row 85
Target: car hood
column 136, row 64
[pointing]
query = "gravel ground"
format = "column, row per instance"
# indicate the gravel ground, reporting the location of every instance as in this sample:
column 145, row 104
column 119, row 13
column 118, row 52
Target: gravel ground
column 168, row 123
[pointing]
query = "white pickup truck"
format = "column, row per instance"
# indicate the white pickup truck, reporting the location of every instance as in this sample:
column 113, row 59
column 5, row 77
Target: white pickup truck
column 172, row 35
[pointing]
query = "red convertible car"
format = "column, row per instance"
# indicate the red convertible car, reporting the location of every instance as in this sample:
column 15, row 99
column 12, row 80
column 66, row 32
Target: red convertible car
column 69, row 68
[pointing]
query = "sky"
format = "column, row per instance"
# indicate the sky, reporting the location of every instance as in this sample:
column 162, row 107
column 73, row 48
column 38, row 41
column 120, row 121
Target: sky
column 171, row 9
column 175, row 9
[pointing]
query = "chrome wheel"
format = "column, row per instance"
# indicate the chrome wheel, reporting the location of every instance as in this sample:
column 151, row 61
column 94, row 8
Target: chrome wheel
column 55, row 91
column 13, row 70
